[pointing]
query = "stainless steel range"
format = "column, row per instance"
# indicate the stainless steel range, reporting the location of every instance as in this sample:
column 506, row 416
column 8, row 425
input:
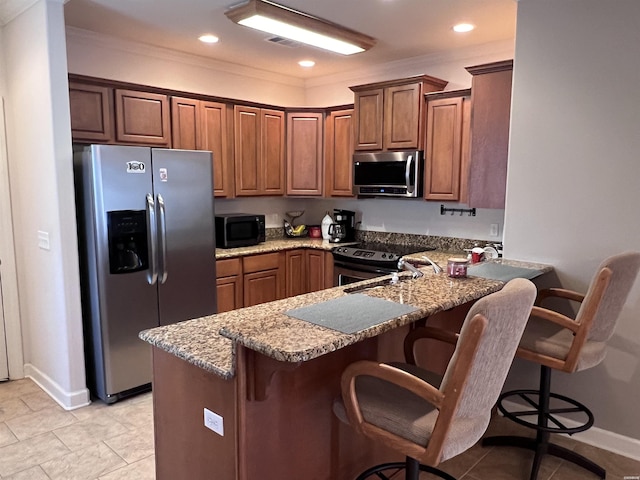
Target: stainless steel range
column 368, row 260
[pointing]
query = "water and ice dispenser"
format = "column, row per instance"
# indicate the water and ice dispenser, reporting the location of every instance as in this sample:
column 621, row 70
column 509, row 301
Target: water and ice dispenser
column 127, row 230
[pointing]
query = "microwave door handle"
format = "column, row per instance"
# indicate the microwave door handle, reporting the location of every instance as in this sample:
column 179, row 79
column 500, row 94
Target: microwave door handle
column 152, row 241
column 407, row 174
column 162, row 237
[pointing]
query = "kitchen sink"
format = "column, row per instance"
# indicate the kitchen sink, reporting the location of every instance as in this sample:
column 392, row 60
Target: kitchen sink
column 377, row 284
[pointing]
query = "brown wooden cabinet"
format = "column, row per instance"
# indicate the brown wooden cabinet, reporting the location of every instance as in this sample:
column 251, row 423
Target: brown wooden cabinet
column 229, row 284
column 264, row 278
column 390, row 115
column 259, row 151
column 202, row 125
column 91, row 108
column 296, row 272
column 339, row 154
column 489, row 147
column 304, row 153
column 142, row 118
column 446, row 148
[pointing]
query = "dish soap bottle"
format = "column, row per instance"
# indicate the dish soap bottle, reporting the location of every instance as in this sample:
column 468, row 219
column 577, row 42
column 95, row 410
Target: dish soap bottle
column 326, row 221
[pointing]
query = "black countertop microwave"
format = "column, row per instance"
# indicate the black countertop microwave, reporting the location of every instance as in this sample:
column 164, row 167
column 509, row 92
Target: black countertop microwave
column 239, row 230
column 388, row 174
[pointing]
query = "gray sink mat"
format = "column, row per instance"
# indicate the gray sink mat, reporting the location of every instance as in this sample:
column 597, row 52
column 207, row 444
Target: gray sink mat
column 504, row 273
column 351, row 313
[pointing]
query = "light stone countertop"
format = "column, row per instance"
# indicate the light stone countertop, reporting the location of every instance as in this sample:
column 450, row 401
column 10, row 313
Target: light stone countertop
column 209, row 342
column 277, row 246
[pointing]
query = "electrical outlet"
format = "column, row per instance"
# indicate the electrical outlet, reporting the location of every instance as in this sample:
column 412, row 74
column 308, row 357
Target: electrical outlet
column 214, row 422
column 43, row 240
column 493, row 230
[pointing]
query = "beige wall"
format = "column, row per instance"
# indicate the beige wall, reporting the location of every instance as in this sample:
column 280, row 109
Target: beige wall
column 572, row 189
column 39, row 155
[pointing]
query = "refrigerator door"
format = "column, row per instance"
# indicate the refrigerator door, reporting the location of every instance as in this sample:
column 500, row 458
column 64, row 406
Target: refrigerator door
column 183, row 187
column 119, row 299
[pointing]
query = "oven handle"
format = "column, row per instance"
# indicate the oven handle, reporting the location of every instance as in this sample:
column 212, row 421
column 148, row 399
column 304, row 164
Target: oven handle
column 359, row 268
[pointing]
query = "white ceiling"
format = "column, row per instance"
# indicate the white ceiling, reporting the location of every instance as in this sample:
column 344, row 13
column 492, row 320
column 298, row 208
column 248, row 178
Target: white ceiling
column 403, row 29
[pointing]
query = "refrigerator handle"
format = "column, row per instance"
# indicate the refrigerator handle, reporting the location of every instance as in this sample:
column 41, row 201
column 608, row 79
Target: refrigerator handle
column 162, row 237
column 152, row 240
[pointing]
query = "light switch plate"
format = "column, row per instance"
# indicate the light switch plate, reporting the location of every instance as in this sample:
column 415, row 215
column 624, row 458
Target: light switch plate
column 43, row 240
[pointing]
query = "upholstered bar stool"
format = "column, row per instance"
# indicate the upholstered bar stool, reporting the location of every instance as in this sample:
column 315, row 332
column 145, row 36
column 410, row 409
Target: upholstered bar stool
column 396, row 405
column 558, row 342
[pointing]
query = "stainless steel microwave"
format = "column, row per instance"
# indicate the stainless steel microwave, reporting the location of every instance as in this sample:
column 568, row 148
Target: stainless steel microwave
column 388, row 174
column 239, row 230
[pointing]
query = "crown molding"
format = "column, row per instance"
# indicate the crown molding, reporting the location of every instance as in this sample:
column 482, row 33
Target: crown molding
column 78, row 35
column 10, row 9
column 504, row 49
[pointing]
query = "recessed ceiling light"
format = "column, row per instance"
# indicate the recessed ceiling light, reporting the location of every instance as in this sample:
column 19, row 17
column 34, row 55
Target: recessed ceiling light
column 463, row 27
column 306, row 63
column 208, row 38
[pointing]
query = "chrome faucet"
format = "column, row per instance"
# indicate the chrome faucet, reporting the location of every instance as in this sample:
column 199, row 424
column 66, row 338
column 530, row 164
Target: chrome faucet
column 436, row 267
column 415, row 273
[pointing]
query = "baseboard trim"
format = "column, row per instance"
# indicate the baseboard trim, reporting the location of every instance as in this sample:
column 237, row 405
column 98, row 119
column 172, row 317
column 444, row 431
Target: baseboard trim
column 598, row 437
column 67, row 400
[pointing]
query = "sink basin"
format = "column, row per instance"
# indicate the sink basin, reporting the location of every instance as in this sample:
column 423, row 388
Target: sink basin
column 376, row 285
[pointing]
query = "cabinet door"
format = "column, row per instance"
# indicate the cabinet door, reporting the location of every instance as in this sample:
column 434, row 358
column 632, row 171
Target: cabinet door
column 491, row 104
column 229, row 291
column 296, row 273
column 339, row 154
column 272, row 152
column 213, row 137
column 91, row 108
column 315, row 270
column 229, row 284
column 304, row 154
column 247, row 150
column 443, row 149
column 368, row 119
column 185, row 121
column 402, row 116
column 264, row 278
column 142, row 118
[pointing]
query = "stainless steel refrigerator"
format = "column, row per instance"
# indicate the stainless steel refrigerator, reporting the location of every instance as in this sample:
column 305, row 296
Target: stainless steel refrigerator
column 147, row 254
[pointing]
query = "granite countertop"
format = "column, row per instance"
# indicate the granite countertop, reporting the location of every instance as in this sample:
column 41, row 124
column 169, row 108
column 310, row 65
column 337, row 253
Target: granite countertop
column 209, row 342
column 276, row 246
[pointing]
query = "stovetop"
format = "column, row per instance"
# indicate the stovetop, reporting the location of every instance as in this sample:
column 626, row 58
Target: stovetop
column 372, row 253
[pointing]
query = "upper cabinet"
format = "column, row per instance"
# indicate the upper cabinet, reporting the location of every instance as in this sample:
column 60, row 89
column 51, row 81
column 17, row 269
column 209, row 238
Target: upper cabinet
column 447, row 145
column 390, row 115
column 91, row 109
column 259, row 151
column 338, row 154
column 304, row 153
column 489, row 148
column 105, row 114
column 202, row 125
column 142, row 118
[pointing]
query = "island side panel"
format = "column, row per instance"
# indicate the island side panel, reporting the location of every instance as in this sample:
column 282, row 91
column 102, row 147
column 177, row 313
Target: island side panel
column 287, row 426
column 184, row 447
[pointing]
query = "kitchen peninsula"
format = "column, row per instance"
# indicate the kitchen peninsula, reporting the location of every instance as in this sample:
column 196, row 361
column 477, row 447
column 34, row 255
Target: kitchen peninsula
column 272, row 379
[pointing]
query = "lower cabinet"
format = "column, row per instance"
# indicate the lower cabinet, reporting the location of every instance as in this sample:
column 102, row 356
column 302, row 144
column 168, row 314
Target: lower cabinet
column 229, row 284
column 307, row 271
column 264, row 278
column 251, row 280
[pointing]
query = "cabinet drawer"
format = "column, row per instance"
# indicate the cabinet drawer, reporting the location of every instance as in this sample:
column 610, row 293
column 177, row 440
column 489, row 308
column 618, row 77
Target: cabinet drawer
column 258, row 263
column 228, row 267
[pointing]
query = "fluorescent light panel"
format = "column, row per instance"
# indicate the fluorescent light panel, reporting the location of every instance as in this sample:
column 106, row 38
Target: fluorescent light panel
column 284, row 22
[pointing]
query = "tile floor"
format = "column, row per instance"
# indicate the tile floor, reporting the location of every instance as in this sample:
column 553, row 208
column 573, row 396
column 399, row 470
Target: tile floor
column 41, row 441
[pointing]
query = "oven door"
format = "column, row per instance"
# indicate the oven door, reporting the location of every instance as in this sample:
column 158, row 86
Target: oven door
column 346, row 273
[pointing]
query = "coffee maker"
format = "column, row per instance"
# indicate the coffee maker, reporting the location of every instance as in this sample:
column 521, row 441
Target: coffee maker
column 347, row 219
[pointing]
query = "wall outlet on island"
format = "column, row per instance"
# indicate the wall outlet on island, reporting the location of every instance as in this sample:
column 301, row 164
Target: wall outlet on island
column 493, row 230
column 214, row 422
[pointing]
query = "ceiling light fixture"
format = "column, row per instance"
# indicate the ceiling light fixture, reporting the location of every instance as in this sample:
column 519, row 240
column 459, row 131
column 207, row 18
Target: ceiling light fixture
column 208, row 38
column 463, row 27
column 306, row 63
column 282, row 21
